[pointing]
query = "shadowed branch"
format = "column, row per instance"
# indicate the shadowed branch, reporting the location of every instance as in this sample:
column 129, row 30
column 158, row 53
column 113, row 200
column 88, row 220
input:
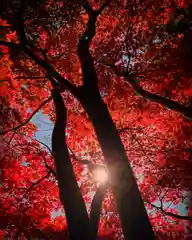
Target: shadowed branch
column 160, row 208
column 28, row 120
column 168, row 103
column 90, row 80
column 96, row 207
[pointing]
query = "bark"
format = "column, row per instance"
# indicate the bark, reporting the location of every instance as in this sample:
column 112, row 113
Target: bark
column 132, row 212
column 170, row 104
column 167, row 213
column 28, row 120
column 96, row 207
column 70, row 195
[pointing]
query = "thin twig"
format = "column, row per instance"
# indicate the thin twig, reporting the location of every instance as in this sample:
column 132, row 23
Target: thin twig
column 189, row 218
column 33, row 185
column 28, row 120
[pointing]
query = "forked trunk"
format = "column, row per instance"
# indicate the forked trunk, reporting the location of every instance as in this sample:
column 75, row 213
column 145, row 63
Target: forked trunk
column 132, row 212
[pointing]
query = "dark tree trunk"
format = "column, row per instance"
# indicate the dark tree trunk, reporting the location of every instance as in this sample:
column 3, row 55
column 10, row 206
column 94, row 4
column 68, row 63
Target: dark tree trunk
column 133, row 216
column 96, row 207
column 70, row 195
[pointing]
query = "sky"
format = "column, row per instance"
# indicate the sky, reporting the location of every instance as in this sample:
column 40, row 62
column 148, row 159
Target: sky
column 45, row 128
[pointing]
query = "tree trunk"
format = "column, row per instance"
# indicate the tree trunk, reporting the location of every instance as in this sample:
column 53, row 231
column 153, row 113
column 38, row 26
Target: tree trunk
column 96, row 206
column 133, row 216
column 70, row 195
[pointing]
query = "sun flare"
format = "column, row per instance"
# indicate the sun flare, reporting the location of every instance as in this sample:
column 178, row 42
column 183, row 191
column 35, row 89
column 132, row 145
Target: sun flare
column 100, row 175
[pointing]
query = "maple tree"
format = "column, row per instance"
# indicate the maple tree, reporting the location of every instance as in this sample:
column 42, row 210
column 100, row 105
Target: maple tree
column 50, row 44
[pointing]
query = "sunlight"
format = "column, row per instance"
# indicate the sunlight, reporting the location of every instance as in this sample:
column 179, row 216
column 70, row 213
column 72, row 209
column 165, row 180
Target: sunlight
column 100, row 175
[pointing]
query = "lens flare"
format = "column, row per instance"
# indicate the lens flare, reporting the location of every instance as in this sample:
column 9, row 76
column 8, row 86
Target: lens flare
column 100, row 175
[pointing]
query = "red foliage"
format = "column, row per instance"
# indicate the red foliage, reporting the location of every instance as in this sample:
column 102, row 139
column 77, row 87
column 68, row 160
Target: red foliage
column 157, row 140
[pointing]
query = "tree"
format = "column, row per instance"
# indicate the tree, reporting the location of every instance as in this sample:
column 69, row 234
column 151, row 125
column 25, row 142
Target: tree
column 123, row 105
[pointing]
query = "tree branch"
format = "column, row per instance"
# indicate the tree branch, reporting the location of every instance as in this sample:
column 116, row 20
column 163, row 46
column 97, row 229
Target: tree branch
column 81, row 161
column 21, row 30
column 170, row 104
column 35, row 184
column 90, row 80
column 39, row 150
column 50, row 77
column 189, row 218
column 24, row 123
column 63, row 82
column 99, row 11
column 44, row 159
column 96, row 207
column 24, row 77
column 49, row 149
